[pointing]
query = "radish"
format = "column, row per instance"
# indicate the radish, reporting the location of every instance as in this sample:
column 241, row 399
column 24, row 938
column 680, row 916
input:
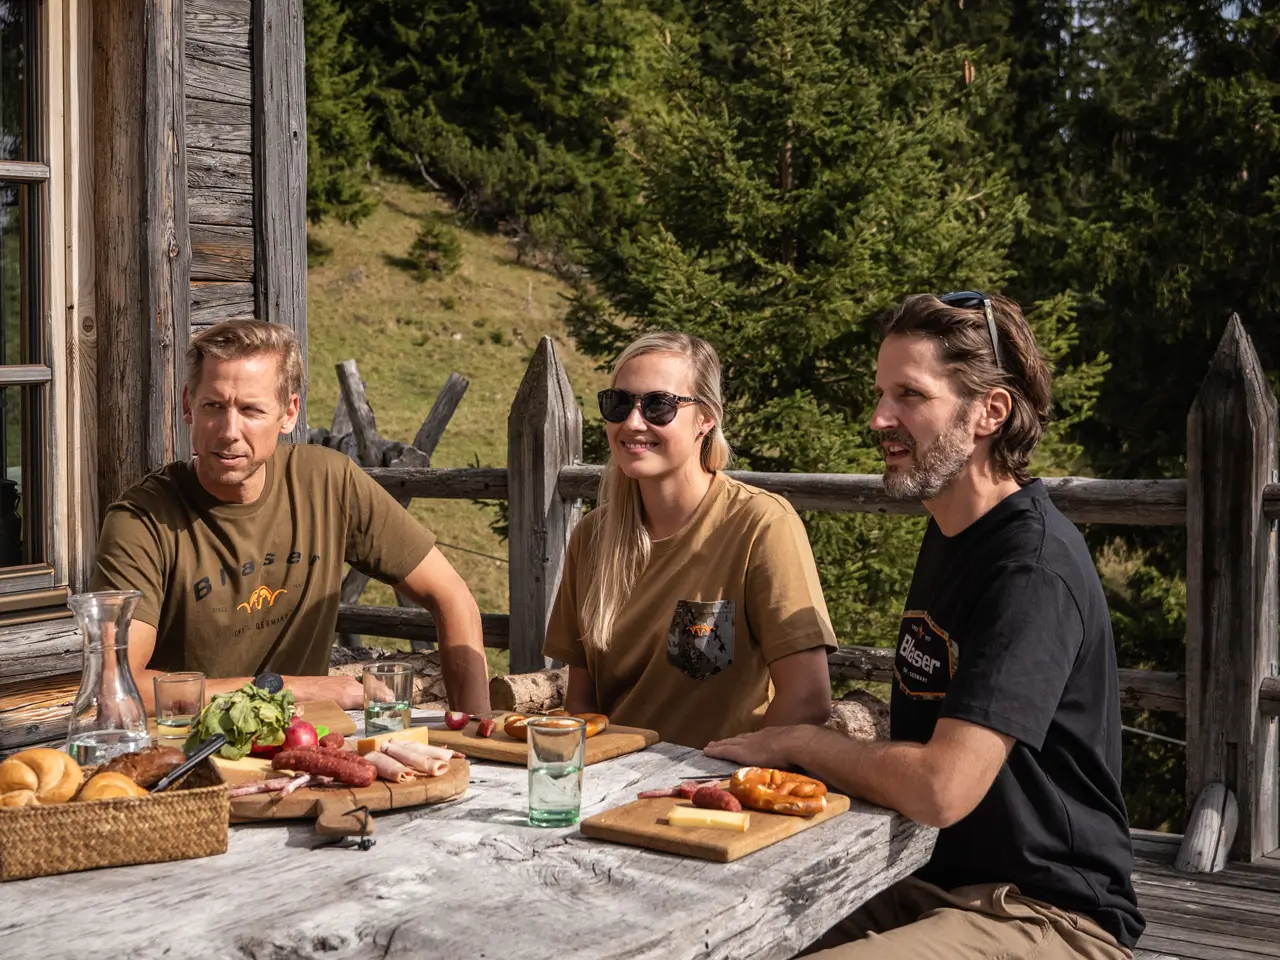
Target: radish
column 300, row 734
column 456, row 719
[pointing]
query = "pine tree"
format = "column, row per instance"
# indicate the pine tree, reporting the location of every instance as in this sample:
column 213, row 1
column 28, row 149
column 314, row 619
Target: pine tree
column 809, row 164
column 339, row 128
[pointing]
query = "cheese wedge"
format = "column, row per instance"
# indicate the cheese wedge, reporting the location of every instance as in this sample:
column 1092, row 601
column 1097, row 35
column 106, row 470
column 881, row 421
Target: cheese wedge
column 244, row 769
column 369, row 744
column 719, row 819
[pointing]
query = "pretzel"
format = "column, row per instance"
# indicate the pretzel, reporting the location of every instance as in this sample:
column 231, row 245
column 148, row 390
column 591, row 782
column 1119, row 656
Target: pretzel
column 776, row 791
column 514, row 725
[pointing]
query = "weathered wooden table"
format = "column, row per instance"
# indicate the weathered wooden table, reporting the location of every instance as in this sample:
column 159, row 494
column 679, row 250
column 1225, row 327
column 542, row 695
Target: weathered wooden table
column 469, row 879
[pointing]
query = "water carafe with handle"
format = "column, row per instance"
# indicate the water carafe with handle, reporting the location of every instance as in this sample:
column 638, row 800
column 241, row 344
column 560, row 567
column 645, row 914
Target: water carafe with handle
column 108, row 718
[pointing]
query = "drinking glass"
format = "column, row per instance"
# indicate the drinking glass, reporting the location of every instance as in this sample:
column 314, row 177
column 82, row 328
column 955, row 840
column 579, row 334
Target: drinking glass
column 179, row 700
column 388, row 693
column 556, row 746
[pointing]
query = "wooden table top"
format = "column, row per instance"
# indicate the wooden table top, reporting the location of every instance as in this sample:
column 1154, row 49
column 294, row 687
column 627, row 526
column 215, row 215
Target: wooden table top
column 470, row 878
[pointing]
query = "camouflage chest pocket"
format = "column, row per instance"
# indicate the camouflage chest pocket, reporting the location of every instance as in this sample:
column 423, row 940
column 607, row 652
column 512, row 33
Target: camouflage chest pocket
column 700, row 639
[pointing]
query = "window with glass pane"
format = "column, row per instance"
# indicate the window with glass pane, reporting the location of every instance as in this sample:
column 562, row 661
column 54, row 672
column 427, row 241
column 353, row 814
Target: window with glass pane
column 25, row 374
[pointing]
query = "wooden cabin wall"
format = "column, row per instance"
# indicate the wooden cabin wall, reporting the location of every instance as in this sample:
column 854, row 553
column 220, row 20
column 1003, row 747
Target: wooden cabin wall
column 219, row 142
column 200, row 212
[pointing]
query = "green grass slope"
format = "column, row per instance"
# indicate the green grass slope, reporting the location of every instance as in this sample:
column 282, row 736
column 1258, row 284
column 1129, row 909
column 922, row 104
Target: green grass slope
column 483, row 322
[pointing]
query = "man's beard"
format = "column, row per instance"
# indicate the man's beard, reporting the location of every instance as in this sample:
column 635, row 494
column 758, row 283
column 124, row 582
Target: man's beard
column 935, row 468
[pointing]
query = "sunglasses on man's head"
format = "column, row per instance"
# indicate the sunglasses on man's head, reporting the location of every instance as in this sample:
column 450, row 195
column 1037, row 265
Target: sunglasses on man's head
column 658, row 408
column 969, row 300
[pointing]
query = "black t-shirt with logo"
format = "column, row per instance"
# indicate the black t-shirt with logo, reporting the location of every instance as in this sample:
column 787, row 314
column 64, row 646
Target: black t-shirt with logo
column 1007, row 627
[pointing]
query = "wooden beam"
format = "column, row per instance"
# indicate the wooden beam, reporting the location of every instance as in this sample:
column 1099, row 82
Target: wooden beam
column 1082, row 499
column 544, row 435
column 123, row 341
column 442, row 411
column 1269, row 696
column 1231, row 590
column 24, row 170
column 443, row 483
column 23, row 373
column 360, row 414
column 280, row 172
column 166, row 277
column 413, row 623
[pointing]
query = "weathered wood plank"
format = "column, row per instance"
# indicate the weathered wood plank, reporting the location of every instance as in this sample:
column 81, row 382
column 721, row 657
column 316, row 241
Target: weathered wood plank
column 1210, row 830
column 1082, row 499
column 447, row 400
column 1231, row 589
column 213, row 301
column 167, row 273
column 223, row 82
column 412, row 623
column 359, row 413
column 219, row 21
column 227, row 127
column 579, row 898
column 215, row 170
column 123, row 339
column 219, row 208
column 280, row 173
column 221, row 253
column 32, row 711
column 1141, row 689
column 1269, row 696
column 232, row 56
column 444, row 483
column 32, row 651
column 544, row 435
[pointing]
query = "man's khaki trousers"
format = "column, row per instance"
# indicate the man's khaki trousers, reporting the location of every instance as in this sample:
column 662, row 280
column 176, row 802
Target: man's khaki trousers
column 914, row 920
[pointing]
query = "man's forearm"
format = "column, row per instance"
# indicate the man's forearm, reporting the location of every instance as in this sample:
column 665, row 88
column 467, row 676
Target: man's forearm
column 889, row 773
column 462, row 659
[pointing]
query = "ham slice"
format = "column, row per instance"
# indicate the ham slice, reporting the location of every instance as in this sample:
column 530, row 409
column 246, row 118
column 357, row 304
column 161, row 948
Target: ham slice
column 425, row 750
column 426, row 765
column 388, row 767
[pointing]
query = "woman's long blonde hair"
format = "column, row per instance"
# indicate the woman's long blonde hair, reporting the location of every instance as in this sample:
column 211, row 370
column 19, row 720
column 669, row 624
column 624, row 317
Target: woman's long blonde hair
column 620, row 542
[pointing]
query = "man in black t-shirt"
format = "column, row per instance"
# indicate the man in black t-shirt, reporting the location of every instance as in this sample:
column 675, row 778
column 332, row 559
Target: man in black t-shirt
column 1005, row 712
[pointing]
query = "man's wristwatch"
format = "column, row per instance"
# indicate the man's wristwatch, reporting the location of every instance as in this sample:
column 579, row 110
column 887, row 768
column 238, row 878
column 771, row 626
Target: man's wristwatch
column 270, row 682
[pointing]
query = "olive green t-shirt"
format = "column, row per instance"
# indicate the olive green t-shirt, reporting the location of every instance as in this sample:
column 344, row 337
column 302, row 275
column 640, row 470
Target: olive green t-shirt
column 733, row 591
column 235, row 589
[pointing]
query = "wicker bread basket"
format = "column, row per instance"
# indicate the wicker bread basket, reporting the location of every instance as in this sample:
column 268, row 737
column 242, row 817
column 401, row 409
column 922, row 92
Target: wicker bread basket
column 186, row 821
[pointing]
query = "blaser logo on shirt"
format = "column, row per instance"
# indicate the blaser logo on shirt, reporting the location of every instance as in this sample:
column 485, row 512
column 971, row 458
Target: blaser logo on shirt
column 262, row 597
column 204, row 586
column 926, row 657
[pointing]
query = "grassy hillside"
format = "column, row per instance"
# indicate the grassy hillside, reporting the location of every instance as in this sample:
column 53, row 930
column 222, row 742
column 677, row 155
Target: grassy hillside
column 363, row 303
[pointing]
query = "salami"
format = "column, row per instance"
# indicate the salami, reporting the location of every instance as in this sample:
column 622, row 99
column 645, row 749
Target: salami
column 344, row 767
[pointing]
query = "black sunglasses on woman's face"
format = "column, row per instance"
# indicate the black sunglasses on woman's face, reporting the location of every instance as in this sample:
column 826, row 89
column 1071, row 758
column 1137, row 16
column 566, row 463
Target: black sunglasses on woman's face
column 658, row 408
column 968, row 300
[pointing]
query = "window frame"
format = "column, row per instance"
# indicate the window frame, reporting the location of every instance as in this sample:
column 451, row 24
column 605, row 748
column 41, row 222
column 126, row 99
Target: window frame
column 31, row 591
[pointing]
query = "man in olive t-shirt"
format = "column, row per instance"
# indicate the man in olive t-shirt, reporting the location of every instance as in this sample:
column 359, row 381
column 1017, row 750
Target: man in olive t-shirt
column 239, row 552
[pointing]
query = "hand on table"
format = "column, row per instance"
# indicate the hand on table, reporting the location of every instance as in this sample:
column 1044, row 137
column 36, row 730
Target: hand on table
column 770, row 747
column 346, row 692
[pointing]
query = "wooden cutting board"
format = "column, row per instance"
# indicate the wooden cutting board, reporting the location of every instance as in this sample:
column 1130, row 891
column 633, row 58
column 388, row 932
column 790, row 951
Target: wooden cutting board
column 643, row 823
column 329, row 805
column 315, row 712
column 614, row 742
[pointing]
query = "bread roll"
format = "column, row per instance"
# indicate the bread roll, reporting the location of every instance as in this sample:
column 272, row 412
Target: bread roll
column 52, row 775
column 19, row 798
column 109, row 785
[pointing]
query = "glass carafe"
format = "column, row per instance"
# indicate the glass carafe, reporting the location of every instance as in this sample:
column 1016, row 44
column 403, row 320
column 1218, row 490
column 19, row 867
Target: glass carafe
column 108, row 718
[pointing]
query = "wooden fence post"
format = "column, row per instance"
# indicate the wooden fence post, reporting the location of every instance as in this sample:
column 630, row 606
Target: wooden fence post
column 1231, row 590
column 544, row 434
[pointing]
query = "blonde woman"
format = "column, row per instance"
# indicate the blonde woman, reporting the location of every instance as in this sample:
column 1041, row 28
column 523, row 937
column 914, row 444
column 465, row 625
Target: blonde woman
column 689, row 602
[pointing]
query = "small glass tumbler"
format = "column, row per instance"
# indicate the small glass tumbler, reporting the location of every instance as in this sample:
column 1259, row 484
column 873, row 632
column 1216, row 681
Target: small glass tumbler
column 388, row 695
column 556, row 746
column 179, row 700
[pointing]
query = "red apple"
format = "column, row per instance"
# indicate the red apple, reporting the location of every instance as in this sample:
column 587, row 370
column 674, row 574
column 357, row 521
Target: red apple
column 300, row 734
column 456, row 719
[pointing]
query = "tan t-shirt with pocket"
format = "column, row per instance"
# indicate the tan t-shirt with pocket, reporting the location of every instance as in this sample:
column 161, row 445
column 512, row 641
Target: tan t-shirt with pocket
column 235, row 589
column 719, row 601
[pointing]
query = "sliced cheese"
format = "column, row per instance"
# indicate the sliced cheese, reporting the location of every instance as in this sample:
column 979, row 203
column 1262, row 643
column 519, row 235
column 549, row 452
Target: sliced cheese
column 370, row 744
column 719, row 819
